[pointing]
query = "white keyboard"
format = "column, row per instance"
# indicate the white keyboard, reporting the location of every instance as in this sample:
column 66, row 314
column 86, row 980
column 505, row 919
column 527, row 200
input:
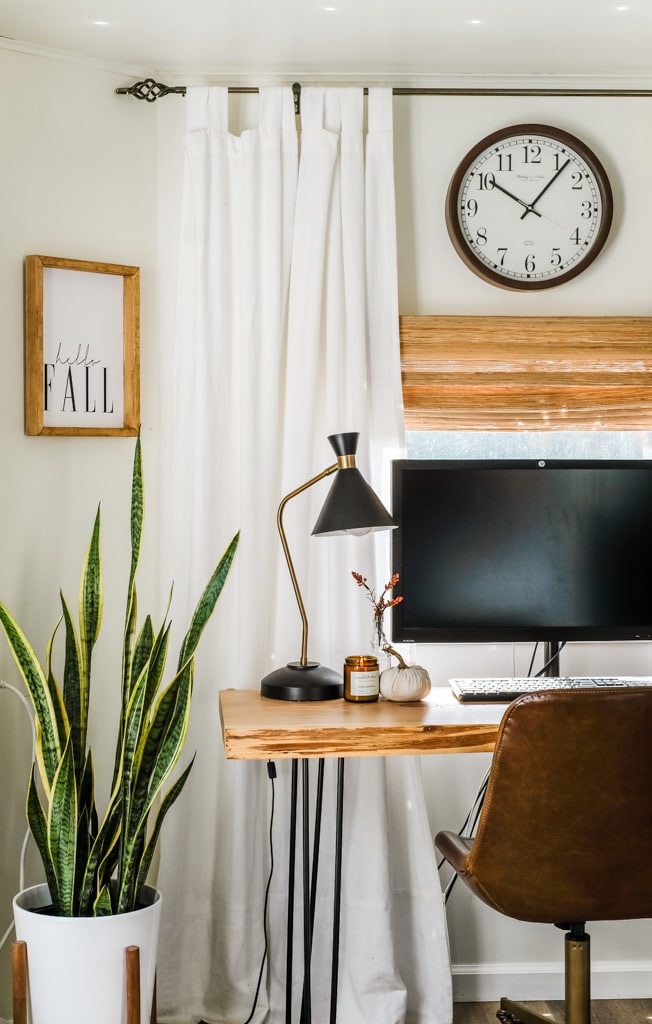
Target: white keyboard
column 510, row 687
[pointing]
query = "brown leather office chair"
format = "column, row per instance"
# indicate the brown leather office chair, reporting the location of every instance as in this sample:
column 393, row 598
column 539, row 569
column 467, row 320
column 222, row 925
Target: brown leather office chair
column 565, row 831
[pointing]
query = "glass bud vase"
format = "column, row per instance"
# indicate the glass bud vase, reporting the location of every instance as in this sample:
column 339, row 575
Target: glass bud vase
column 378, row 642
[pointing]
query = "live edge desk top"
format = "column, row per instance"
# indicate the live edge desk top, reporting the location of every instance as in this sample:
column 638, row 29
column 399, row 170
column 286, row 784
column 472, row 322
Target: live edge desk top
column 257, row 728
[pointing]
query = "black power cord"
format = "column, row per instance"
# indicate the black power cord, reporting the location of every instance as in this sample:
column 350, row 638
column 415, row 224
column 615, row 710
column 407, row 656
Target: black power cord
column 271, row 771
column 471, row 819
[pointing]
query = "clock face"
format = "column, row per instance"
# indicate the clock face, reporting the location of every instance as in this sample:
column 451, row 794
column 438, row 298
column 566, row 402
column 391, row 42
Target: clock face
column 529, row 207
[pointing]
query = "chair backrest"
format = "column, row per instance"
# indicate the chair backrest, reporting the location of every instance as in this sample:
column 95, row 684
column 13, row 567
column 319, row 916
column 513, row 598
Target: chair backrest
column 565, row 833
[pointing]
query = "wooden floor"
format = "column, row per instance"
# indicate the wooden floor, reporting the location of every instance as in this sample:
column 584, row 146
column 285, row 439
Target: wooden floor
column 603, row 1011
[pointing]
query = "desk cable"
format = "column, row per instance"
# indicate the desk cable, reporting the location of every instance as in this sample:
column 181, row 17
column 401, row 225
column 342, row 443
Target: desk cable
column 21, row 884
column 271, row 771
column 468, row 828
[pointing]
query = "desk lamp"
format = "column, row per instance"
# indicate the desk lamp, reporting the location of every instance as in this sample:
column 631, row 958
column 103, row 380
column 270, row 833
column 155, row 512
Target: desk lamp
column 351, row 506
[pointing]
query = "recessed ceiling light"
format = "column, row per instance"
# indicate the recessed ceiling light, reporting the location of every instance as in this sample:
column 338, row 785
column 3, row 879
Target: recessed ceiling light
column 474, row 21
column 100, row 23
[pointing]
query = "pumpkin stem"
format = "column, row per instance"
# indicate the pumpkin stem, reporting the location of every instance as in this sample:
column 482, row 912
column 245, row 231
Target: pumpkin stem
column 390, row 650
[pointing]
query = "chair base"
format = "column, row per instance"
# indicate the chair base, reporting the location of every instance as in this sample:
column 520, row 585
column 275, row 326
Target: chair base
column 516, row 1013
column 577, row 974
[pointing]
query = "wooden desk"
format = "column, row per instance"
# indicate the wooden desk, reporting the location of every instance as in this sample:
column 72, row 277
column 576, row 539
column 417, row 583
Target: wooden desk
column 257, row 728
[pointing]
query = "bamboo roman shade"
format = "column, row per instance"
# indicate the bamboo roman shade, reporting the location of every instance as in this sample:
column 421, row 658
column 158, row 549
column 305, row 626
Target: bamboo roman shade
column 526, row 373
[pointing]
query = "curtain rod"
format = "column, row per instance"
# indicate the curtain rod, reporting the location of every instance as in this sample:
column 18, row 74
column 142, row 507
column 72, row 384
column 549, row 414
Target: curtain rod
column 150, row 90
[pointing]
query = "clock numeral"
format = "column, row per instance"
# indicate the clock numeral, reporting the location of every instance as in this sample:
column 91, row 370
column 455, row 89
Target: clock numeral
column 481, row 236
column 486, row 181
column 531, row 154
column 558, row 160
column 529, row 263
column 504, row 161
column 576, row 178
column 501, row 256
column 471, row 207
column 575, row 237
column 587, row 209
column 555, row 257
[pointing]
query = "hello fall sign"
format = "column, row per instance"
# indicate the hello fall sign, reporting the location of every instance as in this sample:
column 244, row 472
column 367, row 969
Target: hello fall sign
column 82, row 351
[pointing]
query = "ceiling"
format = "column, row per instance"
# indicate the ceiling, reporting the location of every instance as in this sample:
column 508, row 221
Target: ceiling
column 390, row 40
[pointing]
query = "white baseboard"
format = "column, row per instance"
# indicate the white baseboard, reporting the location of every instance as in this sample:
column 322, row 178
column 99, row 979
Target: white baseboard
column 533, row 981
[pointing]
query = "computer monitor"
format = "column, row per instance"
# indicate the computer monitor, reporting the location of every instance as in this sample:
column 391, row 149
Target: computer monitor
column 522, row 550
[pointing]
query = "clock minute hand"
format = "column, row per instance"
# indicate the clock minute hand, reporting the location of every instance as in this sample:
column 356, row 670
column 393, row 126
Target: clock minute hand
column 544, row 189
column 528, row 206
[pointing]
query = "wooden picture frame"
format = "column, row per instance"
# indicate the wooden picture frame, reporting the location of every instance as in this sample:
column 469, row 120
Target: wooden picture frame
column 82, row 348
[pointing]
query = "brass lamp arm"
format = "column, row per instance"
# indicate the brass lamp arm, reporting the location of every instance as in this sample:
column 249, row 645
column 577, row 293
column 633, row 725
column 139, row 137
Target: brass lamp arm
column 288, row 559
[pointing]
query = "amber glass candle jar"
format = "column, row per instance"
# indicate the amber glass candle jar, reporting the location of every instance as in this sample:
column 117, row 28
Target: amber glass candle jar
column 361, row 678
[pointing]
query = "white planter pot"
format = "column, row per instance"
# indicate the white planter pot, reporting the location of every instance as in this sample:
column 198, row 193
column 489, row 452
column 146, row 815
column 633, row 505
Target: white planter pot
column 76, row 965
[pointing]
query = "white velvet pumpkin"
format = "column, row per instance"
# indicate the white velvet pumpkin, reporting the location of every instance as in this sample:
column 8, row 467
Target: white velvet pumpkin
column 404, row 682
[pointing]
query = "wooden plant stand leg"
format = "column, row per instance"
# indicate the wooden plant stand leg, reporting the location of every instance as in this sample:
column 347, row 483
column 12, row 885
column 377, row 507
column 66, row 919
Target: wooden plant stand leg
column 132, row 957
column 19, row 984
column 19, row 980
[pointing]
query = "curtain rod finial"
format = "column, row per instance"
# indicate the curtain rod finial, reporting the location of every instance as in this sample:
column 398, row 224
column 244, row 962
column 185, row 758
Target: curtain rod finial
column 296, row 89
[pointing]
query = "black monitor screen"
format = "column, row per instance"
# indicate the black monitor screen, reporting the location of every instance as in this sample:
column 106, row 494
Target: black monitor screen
column 492, row 551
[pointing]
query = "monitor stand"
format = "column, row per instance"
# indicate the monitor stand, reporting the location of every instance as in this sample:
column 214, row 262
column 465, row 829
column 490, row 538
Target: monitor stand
column 551, row 658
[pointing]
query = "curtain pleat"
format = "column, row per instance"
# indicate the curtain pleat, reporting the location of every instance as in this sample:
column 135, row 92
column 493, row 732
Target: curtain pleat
column 286, row 331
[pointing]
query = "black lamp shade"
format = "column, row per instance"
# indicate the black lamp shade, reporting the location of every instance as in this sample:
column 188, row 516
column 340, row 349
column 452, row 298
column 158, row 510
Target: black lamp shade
column 351, row 506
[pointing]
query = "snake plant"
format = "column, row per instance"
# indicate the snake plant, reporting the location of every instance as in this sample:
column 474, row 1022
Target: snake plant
column 97, row 867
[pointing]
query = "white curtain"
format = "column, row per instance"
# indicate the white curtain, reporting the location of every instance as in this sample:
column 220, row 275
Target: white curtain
column 286, row 330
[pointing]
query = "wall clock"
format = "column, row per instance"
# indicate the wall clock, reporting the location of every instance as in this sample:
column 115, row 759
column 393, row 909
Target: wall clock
column 529, row 207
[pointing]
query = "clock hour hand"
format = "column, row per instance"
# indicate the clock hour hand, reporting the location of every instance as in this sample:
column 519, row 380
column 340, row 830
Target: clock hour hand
column 544, row 189
column 528, row 206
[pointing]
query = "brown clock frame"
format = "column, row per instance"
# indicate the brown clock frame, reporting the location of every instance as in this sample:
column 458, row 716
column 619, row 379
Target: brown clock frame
column 457, row 236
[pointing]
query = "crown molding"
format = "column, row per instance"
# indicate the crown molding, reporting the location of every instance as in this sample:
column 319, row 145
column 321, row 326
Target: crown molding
column 252, row 78
column 48, row 53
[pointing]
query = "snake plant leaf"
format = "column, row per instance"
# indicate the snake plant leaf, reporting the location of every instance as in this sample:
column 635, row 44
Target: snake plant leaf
column 102, row 857
column 62, row 832
column 38, row 759
column 91, row 599
column 87, row 793
column 75, row 690
column 39, row 691
column 162, row 749
column 156, row 667
column 172, row 737
column 102, row 906
column 145, row 860
column 136, row 522
column 151, row 744
column 55, row 692
column 82, row 853
column 87, row 827
column 142, row 650
column 38, row 825
column 130, row 745
column 137, row 510
column 207, row 602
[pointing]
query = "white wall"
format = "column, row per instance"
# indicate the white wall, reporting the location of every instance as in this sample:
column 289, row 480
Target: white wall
column 77, row 179
column 490, row 952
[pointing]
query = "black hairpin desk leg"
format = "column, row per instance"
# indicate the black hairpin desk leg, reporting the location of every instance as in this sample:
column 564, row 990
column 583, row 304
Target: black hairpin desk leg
column 310, row 885
column 290, row 915
column 337, row 889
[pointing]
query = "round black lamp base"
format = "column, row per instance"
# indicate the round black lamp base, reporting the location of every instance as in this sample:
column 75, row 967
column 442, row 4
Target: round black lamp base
column 302, row 682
